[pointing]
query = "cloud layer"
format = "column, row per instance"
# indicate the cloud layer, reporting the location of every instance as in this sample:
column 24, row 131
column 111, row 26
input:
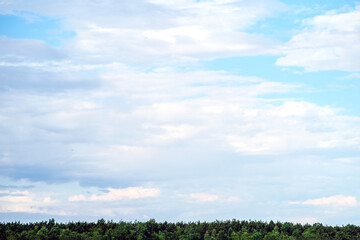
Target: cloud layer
column 126, row 112
column 328, row 42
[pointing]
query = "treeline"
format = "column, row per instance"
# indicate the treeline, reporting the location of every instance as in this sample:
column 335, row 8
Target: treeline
column 218, row 230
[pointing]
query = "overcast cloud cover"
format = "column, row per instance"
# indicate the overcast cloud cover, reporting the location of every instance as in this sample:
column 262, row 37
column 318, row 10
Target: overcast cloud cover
column 180, row 110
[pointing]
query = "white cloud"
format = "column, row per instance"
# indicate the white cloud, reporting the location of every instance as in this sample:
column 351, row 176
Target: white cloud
column 220, row 14
column 15, row 196
column 232, row 199
column 329, row 42
column 170, row 45
column 204, row 197
column 172, row 132
column 200, row 197
column 204, row 109
column 77, row 198
column 27, row 202
column 347, row 160
column 336, row 200
column 156, row 32
column 290, row 127
column 77, row 113
column 49, row 200
column 119, row 194
column 351, row 76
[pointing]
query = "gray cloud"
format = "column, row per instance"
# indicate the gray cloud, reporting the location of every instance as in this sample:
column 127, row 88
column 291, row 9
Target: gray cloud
column 30, row 50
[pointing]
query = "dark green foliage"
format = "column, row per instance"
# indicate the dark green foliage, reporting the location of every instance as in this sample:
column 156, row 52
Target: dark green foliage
column 207, row 236
column 152, row 230
column 257, row 236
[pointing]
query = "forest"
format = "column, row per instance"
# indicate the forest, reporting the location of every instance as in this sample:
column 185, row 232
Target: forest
column 151, row 230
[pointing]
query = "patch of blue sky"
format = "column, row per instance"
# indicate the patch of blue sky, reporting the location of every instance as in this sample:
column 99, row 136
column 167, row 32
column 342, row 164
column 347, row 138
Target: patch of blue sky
column 311, row 8
column 280, row 27
column 325, row 88
column 42, row 28
column 286, row 23
column 345, row 99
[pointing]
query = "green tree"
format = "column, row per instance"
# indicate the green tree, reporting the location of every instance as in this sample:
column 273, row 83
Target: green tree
column 257, row 235
column 10, row 235
column 234, row 236
column 65, row 234
column 246, row 236
column 191, row 234
column 287, row 228
column 140, row 230
column 270, row 226
column 221, row 235
column 273, row 235
column 310, row 234
column 43, row 233
column 54, row 233
column 207, row 236
column 213, row 234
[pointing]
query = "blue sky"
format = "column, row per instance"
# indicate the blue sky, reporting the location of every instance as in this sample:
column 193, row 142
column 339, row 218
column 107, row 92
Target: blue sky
column 180, row 111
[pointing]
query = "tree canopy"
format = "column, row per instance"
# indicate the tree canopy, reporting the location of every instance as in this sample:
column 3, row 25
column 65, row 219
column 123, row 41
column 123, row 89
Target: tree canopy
column 152, row 230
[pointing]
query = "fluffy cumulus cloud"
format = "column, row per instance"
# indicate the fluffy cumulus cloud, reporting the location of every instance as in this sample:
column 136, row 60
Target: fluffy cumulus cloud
column 29, row 202
column 293, row 126
column 336, row 200
column 328, row 42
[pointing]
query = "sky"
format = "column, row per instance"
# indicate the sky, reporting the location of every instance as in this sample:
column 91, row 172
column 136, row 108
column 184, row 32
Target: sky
column 180, row 110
